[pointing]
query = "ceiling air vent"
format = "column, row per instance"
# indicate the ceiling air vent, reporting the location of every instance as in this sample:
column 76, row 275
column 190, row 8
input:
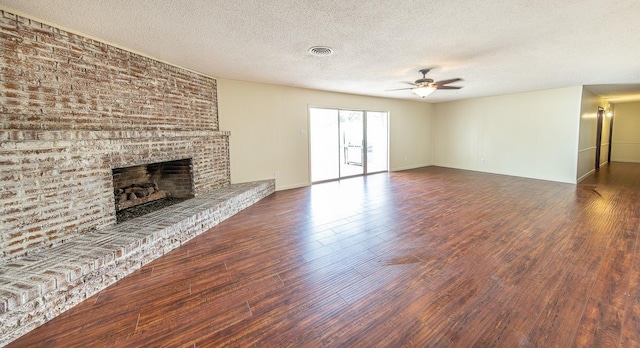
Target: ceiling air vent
column 320, row 51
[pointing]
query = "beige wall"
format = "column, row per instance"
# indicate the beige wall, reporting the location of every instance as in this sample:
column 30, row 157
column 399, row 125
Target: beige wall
column 267, row 123
column 547, row 135
column 587, row 140
column 626, row 133
column 531, row 134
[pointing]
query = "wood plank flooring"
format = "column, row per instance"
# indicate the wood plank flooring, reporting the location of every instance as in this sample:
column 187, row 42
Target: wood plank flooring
column 431, row 257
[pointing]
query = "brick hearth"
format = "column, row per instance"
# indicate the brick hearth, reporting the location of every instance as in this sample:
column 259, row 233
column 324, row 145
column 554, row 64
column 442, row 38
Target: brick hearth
column 36, row 288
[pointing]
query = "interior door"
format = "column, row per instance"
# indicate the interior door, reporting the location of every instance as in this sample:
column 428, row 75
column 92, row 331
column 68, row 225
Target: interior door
column 599, row 136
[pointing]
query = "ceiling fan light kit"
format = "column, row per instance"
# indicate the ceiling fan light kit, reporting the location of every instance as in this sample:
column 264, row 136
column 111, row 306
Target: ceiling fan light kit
column 423, row 91
column 425, row 86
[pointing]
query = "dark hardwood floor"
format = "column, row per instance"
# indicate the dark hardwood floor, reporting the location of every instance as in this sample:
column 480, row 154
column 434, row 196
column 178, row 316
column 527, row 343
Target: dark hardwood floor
column 431, row 257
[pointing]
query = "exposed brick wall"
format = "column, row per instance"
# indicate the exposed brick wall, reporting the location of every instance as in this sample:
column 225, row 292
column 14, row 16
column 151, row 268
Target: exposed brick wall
column 71, row 109
column 55, row 80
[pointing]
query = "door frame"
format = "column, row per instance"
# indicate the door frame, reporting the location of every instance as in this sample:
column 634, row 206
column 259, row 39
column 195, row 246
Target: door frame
column 610, row 136
column 600, row 117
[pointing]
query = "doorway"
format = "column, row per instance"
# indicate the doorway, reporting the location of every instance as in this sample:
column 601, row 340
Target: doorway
column 599, row 136
column 346, row 143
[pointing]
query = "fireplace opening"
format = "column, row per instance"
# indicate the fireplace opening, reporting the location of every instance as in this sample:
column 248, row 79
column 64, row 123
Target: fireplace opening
column 139, row 190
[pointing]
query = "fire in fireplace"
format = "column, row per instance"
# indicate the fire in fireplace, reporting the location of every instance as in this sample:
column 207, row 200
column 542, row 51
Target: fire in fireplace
column 140, row 185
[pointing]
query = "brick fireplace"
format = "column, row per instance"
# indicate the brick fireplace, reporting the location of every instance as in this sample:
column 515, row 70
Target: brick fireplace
column 80, row 123
column 73, row 110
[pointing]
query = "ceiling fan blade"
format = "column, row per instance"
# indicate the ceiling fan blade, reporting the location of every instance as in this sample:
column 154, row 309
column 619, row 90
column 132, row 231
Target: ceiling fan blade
column 447, row 87
column 397, row 89
column 444, row 82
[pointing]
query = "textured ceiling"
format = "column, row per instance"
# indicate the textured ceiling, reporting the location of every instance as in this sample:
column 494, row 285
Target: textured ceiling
column 497, row 47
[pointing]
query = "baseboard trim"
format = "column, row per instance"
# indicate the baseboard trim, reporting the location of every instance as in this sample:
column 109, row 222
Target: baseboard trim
column 586, row 175
column 410, row 167
column 292, row 186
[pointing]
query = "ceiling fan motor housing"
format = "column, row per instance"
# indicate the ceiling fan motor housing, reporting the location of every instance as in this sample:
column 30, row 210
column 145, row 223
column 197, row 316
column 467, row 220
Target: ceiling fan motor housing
column 423, row 81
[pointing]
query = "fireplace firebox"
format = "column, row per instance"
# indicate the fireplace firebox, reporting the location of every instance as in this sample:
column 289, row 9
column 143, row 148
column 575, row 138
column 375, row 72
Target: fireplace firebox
column 142, row 184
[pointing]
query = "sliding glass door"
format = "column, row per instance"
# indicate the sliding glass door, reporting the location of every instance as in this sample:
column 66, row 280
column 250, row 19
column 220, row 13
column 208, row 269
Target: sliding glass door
column 347, row 143
column 324, row 142
column 377, row 142
column 351, row 143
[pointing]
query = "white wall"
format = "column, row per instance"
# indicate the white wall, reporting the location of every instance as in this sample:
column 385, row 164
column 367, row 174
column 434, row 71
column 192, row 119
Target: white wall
column 265, row 122
column 531, row 134
column 626, row 133
column 588, row 126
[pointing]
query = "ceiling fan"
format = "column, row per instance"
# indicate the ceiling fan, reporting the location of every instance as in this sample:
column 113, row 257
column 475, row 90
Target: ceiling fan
column 425, row 86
